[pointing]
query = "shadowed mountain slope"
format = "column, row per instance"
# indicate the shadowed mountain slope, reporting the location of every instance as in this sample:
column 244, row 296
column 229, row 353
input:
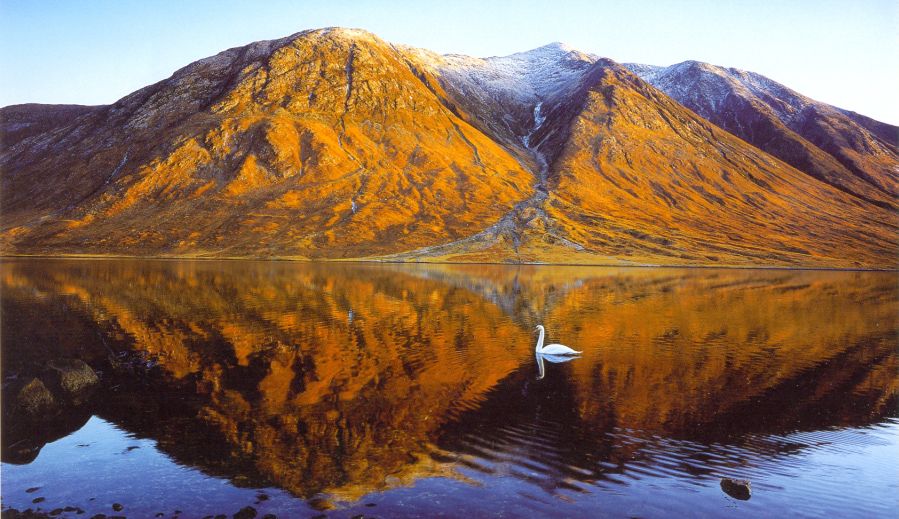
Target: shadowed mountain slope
column 849, row 151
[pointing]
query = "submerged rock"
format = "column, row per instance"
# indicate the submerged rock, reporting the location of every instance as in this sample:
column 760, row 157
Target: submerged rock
column 247, row 512
column 34, row 398
column 74, row 377
column 737, row 488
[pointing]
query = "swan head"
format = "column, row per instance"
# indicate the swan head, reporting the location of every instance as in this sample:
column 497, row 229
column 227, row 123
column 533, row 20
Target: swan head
column 538, row 328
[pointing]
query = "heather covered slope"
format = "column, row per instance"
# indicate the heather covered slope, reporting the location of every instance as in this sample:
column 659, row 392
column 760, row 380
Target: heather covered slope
column 630, row 175
column 322, row 144
column 335, row 144
column 641, row 176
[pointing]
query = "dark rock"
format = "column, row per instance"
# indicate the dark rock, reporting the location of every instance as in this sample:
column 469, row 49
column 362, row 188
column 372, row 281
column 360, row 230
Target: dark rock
column 221, row 516
column 117, row 507
column 99, row 516
column 737, row 488
column 262, row 496
column 269, row 516
column 370, row 505
column 34, row 398
column 32, row 490
column 56, row 511
column 37, row 500
column 247, row 512
column 75, row 378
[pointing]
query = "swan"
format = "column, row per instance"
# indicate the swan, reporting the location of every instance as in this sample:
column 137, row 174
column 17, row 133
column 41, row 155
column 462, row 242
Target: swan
column 552, row 349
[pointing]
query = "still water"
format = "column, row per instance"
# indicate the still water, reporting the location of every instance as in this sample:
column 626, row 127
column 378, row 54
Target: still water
column 343, row 390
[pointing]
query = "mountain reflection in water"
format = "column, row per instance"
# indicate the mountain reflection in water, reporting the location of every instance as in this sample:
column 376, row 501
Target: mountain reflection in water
column 345, row 380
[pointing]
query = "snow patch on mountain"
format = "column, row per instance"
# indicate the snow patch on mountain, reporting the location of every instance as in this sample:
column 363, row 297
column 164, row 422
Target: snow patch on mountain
column 532, row 76
column 704, row 87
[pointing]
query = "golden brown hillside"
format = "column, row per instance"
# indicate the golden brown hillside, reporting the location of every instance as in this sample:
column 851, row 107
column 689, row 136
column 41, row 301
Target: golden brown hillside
column 333, row 144
column 641, row 176
column 322, row 144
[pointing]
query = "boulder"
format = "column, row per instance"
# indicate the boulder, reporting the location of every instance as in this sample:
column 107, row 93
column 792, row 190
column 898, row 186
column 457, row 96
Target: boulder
column 34, row 398
column 75, row 378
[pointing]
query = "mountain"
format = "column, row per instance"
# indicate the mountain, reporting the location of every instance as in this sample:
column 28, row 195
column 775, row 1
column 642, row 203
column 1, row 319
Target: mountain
column 324, row 143
column 846, row 150
column 333, row 144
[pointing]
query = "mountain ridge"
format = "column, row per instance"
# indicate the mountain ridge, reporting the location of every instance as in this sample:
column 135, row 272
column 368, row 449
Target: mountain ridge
column 788, row 125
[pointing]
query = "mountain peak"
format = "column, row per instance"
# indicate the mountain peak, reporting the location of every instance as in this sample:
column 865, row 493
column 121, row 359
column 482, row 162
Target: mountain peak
column 338, row 34
column 558, row 45
column 556, row 51
column 348, row 32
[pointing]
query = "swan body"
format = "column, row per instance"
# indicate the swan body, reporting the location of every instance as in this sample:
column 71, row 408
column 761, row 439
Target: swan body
column 556, row 359
column 552, row 349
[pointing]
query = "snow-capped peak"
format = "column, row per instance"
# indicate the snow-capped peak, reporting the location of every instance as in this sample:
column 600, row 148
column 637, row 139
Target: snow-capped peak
column 530, row 76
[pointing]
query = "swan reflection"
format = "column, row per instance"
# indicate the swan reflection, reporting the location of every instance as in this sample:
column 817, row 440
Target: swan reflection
column 555, row 359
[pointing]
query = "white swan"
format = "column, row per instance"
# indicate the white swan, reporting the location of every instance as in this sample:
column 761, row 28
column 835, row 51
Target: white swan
column 552, row 349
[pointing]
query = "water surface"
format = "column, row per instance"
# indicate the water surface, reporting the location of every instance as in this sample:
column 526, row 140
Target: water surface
column 393, row 390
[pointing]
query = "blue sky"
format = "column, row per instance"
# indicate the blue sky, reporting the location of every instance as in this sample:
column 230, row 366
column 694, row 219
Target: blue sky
column 844, row 52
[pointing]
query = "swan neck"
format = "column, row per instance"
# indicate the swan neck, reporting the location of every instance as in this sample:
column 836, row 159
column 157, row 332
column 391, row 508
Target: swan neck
column 540, row 340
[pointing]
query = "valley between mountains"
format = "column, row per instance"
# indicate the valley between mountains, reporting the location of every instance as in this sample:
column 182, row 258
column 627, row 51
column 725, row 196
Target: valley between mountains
column 334, row 144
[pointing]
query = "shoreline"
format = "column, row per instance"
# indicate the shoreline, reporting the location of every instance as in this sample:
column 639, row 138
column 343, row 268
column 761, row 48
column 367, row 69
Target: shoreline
column 413, row 262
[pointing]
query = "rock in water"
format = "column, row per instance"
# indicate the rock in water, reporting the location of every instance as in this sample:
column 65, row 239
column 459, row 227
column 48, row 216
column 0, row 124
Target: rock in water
column 737, row 488
column 34, row 397
column 75, row 378
column 247, row 512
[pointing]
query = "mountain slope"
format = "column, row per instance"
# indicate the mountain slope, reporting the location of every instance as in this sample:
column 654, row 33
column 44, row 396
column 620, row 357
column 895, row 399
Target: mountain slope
column 628, row 174
column 335, row 144
column 851, row 152
column 642, row 176
column 321, row 143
